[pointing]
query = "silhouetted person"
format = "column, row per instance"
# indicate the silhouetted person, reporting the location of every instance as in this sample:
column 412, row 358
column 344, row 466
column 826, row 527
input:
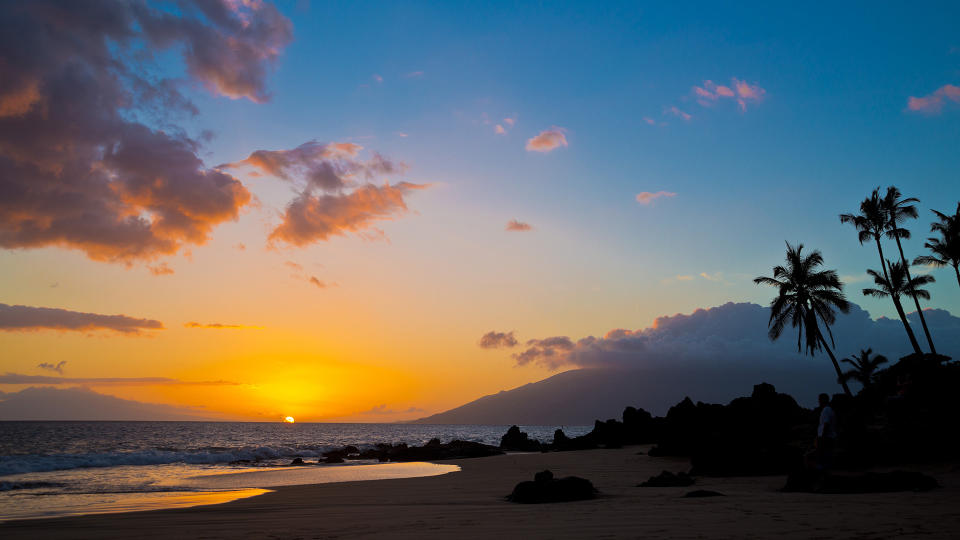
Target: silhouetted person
column 826, row 434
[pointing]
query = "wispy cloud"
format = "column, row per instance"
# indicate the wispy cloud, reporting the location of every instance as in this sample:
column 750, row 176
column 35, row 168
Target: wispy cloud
column 58, row 367
column 548, row 140
column 18, row 378
column 518, row 226
column 933, row 103
column 413, row 75
column 646, row 197
column 383, row 409
column 28, row 318
column 219, row 326
column 377, row 78
column 161, row 269
column 497, row 340
column 709, row 93
column 675, row 111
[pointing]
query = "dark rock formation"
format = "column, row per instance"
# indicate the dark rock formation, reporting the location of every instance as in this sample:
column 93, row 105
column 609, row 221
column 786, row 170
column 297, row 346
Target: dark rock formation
column 297, row 461
column 518, row 441
column 546, row 489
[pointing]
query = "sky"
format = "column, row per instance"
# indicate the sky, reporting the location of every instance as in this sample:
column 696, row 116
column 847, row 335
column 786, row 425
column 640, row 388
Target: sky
column 255, row 210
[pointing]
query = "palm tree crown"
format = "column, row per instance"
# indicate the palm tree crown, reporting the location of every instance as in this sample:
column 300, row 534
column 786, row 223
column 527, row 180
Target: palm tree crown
column 946, row 249
column 898, row 284
column 806, row 294
column 864, row 367
column 871, row 222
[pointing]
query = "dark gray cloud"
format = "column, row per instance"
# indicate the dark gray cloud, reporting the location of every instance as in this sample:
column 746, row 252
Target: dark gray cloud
column 84, row 161
column 497, row 340
column 58, row 367
column 27, row 318
column 733, row 335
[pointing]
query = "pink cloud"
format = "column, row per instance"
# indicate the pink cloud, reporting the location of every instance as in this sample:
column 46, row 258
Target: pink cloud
column 649, row 120
column 510, row 121
column 377, row 78
column 547, row 140
column 933, row 103
column 677, row 112
column 518, row 226
column 646, row 197
column 498, row 129
column 710, row 93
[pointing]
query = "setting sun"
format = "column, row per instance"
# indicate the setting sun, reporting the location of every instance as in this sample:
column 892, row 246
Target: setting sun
column 288, row 420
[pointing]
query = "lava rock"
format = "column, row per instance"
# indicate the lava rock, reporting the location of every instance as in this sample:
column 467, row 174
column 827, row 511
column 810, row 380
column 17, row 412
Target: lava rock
column 547, row 489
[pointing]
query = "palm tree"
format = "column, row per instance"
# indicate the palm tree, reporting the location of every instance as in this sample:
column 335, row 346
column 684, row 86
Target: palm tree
column 863, row 367
column 896, row 286
column 806, row 294
column 946, row 249
column 899, row 210
column 871, row 222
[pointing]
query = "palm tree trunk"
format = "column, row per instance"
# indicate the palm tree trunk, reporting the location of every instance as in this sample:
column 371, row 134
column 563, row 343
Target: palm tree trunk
column 836, row 366
column 923, row 320
column 906, row 325
column 883, row 261
column 956, row 270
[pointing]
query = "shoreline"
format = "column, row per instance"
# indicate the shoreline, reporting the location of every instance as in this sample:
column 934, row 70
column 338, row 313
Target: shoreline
column 471, row 503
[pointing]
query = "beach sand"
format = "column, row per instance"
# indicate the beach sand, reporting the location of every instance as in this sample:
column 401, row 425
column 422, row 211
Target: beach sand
column 471, row 504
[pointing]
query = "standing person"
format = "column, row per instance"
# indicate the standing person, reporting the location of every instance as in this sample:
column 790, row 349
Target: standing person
column 826, row 433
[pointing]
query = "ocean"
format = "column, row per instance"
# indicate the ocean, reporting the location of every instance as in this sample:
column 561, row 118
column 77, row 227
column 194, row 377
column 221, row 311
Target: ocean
column 50, row 469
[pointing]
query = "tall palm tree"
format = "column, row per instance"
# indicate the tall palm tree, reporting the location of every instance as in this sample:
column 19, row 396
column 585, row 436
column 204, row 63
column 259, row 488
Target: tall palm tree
column 871, row 223
column 899, row 210
column 806, row 294
column 864, row 367
column 946, row 249
column 896, row 286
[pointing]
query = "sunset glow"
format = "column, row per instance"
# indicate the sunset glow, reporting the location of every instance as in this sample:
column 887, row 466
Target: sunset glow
column 217, row 216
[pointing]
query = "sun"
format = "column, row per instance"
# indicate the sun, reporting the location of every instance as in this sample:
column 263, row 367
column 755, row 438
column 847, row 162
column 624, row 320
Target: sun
column 288, row 420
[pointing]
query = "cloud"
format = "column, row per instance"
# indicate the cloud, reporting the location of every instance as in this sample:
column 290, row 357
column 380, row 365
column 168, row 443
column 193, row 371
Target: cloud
column 674, row 111
column 319, row 284
column 933, row 103
column 518, row 226
column 377, row 78
column 510, row 121
column 497, row 340
column 649, row 120
column 733, row 335
column 709, row 93
column 27, row 318
column 382, row 409
column 324, row 173
column 684, row 278
column 551, row 352
column 498, row 129
column 414, row 75
column 58, row 367
column 219, row 326
column 44, row 403
column 548, row 140
column 80, row 166
column 646, row 197
column 162, row 269
column 17, row 378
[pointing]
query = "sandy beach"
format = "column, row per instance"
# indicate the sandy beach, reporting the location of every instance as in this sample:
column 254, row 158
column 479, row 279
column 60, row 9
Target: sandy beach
column 470, row 503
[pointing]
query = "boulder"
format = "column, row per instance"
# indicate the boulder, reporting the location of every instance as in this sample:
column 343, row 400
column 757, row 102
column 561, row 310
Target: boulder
column 547, row 489
column 516, row 440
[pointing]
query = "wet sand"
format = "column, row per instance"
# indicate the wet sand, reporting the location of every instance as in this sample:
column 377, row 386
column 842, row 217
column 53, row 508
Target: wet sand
column 471, row 504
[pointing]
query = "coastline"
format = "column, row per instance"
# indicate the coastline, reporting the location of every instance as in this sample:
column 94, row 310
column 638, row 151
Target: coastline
column 471, row 503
